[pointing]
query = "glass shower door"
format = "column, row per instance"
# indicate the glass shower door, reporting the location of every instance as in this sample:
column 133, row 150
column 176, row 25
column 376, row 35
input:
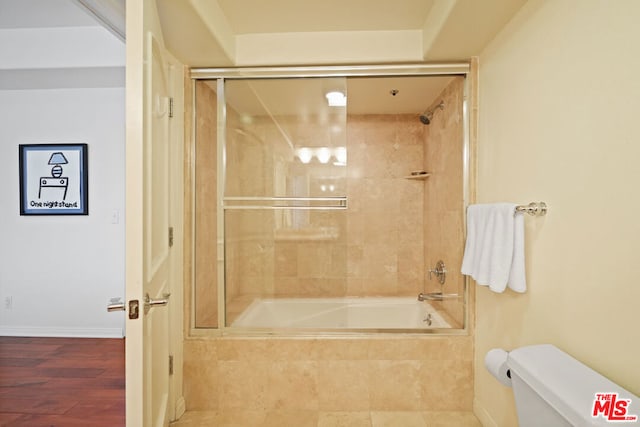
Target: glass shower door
column 285, row 192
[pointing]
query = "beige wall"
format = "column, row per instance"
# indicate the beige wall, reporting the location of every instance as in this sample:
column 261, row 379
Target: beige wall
column 559, row 99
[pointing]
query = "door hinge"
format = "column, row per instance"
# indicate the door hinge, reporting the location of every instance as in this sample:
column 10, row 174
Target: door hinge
column 170, row 236
column 170, row 107
column 170, row 364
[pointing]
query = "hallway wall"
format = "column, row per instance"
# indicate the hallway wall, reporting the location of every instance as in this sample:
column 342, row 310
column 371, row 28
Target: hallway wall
column 62, row 81
column 61, row 271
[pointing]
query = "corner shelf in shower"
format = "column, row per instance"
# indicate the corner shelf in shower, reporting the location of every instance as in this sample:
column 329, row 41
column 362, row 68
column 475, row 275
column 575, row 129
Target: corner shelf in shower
column 421, row 176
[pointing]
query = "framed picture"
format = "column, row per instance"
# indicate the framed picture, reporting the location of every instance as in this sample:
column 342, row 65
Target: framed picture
column 53, row 179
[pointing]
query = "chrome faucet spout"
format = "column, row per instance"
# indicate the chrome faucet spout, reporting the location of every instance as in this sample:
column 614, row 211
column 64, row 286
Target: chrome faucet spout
column 437, row 296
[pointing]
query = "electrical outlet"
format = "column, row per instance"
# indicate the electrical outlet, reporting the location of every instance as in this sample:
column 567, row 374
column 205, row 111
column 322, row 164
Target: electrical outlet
column 115, row 217
column 8, row 302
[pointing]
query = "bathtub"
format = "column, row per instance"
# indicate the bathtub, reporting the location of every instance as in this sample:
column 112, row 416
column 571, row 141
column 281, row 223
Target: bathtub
column 341, row 313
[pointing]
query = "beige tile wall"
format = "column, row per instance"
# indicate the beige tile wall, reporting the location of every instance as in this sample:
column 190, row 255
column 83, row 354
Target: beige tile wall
column 306, row 418
column 378, row 247
column 443, row 196
column 382, row 240
column 385, row 241
column 206, row 301
column 341, row 374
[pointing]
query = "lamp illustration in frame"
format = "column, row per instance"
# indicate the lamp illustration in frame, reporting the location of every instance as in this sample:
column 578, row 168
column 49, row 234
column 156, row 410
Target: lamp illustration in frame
column 56, row 180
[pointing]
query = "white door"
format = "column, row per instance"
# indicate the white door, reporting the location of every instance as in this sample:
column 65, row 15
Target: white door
column 150, row 257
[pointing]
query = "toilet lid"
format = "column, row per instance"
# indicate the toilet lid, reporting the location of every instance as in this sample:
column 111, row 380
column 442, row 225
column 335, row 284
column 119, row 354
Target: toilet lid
column 566, row 384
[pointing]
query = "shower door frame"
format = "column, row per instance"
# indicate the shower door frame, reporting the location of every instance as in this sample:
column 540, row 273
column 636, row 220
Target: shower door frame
column 220, row 75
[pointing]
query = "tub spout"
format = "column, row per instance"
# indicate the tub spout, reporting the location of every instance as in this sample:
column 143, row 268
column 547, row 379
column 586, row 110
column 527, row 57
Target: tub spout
column 436, row 296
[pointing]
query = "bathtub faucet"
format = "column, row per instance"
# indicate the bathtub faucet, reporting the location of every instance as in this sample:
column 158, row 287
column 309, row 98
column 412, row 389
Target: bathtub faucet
column 437, row 296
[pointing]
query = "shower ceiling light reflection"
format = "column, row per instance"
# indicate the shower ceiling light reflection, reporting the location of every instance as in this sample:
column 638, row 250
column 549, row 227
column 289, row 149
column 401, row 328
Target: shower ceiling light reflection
column 323, row 155
column 336, row 99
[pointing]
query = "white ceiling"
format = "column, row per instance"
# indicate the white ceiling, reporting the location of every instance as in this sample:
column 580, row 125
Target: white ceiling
column 414, row 94
column 306, row 97
column 286, row 16
column 213, row 33
column 43, row 14
column 223, row 33
column 242, row 33
column 53, row 44
column 447, row 29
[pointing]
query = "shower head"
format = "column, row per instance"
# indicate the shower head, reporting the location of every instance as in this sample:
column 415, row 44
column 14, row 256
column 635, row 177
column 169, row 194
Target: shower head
column 427, row 116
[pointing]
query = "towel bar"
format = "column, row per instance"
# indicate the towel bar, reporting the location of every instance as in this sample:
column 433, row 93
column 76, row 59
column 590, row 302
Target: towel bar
column 533, row 208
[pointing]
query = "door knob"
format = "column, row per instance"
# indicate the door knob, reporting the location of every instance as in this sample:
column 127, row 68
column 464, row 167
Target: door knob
column 118, row 306
column 149, row 302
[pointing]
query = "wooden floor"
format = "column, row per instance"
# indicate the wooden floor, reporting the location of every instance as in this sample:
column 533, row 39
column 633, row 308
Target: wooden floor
column 61, row 382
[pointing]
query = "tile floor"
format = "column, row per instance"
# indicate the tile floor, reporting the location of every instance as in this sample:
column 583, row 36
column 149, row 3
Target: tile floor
column 327, row 419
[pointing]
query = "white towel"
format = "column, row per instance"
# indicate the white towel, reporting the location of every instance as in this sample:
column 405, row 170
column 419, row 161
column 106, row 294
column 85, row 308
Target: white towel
column 494, row 250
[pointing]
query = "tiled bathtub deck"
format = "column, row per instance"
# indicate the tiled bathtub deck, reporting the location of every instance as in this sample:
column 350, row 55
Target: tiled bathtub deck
column 326, row 419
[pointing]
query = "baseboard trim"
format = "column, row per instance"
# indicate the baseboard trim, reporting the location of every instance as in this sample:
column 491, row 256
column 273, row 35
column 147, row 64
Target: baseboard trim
column 34, row 331
column 485, row 419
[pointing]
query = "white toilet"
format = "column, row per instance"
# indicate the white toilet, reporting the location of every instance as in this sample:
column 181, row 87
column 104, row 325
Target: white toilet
column 552, row 389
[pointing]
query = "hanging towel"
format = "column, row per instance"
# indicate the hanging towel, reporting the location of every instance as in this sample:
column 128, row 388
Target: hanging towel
column 494, row 250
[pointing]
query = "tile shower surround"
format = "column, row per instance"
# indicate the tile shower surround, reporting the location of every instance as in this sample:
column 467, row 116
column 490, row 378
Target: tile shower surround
column 378, row 252
column 386, row 373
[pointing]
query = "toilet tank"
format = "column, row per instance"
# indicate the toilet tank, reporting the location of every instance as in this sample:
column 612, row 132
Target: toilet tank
column 553, row 389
